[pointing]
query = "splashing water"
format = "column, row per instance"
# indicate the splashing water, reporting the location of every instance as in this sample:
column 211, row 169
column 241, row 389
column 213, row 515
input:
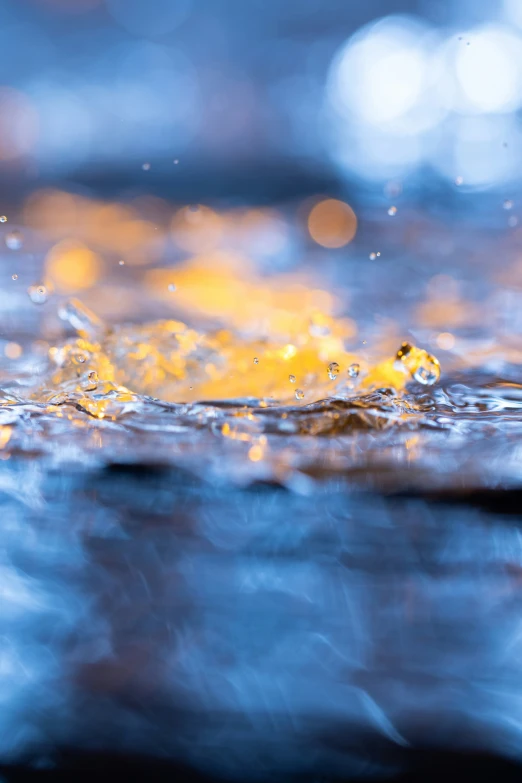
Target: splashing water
column 315, row 604
column 201, row 388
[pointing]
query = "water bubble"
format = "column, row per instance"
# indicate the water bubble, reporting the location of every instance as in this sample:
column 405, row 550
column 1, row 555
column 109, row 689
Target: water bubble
column 171, row 287
column 508, row 204
column 354, row 370
column 38, row 294
column 423, row 366
column 333, row 370
column 14, row 240
column 299, row 394
column 459, row 181
column 291, row 378
column 256, row 360
column 392, row 211
column 3, row 219
column 14, row 277
column 78, row 358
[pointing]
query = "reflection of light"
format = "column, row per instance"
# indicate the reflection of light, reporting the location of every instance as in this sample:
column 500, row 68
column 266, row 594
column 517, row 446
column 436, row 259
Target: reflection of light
column 332, row 223
column 380, row 74
column 18, row 124
column 71, row 266
column 489, row 71
column 149, row 17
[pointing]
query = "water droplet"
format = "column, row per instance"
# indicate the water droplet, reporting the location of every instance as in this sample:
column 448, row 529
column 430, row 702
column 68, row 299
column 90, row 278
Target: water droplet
column 392, row 211
column 121, row 262
column 459, row 181
column 171, row 287
column 354, row 370
column 291, row 378
column 78, row 358
column 299, row 394
column 146, row 166
column 508, row 204
column 423, row 366
column 38, row 294
column 91, row 383
column 83, row 320
column 333, row 370
column 256, row 360
column 14, row 277
column 3, row 219
column 373, row 256
column 176, row 162
column 14, row 240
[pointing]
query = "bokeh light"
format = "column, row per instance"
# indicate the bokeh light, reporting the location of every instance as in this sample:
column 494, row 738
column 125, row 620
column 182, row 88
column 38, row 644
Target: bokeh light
column 71, row 266
column 332, row 223
column 487, row 64
column 381, row 72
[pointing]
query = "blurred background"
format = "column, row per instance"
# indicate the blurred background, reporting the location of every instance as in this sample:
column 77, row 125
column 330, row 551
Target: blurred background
column 146, row 142
column 177, row 92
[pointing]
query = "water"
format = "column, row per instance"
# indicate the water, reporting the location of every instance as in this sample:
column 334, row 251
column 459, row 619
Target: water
column 310, row 563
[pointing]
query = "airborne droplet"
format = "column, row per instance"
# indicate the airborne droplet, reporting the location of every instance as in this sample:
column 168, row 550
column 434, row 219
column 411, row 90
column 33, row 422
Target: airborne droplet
column 38, row 294
column 14, row 240
column 333, row 370
column 423, row 366
column 354, row 370
column 299, row 394
column 91, row 383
